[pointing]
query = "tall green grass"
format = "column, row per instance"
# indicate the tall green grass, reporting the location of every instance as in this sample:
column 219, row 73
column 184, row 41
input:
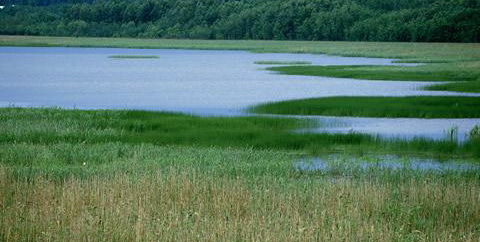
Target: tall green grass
column 192, row 206
column 52, row 126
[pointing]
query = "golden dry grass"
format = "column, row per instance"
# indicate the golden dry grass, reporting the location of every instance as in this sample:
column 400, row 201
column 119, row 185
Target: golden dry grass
column 190, row 206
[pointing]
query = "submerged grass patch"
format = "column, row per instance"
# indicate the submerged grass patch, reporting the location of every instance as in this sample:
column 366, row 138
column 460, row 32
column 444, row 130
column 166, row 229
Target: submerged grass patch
column 391, row 107
column 133, row 56
column 283, row 62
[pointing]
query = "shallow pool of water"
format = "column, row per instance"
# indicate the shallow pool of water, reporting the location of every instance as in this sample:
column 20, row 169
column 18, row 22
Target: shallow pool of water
column 383, row 163
column 202, row 82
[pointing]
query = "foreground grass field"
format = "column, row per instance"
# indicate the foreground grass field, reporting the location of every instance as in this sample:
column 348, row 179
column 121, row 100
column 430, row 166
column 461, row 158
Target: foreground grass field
column 115, row 175
column 188, row 205
column 392, row 107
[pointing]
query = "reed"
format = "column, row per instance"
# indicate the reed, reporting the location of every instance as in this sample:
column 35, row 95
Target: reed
column 188, row 205
column 53, row 126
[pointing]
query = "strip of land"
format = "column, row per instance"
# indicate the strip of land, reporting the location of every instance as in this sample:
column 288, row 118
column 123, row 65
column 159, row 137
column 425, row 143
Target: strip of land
column 408, row 52
column 391, row 107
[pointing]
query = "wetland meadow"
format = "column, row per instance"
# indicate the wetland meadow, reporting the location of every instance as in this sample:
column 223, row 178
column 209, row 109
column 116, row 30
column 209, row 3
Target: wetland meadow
column 119, row 139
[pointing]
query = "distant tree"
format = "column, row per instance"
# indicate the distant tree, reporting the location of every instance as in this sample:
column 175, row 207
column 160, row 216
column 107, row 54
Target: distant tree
column 375, row 20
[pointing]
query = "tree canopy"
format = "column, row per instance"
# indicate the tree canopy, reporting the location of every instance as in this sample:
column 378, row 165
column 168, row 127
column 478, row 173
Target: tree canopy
column 362, row 20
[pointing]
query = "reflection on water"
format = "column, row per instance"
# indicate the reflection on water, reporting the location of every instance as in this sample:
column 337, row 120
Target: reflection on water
column 202, row 82
column 405, row 128
column 382, row 163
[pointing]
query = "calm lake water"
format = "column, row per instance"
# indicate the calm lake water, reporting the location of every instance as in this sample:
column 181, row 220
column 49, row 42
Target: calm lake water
column 203, row 82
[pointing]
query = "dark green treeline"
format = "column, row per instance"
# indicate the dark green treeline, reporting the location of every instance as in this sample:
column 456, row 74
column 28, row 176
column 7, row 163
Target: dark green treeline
column 370, row 20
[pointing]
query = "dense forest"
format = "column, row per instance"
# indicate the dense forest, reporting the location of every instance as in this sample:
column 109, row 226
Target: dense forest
column 371, row 20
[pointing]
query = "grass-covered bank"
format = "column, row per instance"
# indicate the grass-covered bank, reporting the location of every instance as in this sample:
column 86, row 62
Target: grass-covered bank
column 126, row 175
column 408, row 52
column 391, row 107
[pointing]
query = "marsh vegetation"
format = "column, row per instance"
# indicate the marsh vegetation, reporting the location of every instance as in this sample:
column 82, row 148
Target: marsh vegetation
column 390, row 107
column 137, row 175
column 50, row 126
column 124, row 175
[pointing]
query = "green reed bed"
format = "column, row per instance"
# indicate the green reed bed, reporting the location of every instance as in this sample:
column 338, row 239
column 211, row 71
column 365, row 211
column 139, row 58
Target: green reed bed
column 51, row 126
column 389, row 107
